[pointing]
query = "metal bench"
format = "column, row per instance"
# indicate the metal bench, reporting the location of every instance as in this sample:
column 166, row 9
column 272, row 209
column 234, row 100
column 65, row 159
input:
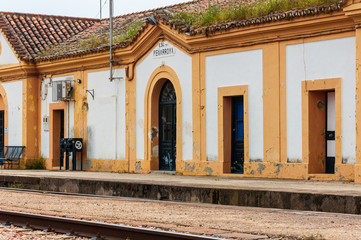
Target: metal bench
column 11, row 155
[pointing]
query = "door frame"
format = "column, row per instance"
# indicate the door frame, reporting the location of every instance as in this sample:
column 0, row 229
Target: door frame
column 330, row 84
column 151, row 116
column 55, row 107
column 225, row 95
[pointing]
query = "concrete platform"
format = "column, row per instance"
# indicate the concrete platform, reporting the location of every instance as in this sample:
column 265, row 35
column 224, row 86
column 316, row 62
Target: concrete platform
column 341, row 197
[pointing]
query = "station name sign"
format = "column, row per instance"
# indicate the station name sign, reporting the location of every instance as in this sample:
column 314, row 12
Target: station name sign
column 164, row 49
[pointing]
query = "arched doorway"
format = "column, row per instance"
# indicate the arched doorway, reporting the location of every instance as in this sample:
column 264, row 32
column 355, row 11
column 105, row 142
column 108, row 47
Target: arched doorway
column 167, row 127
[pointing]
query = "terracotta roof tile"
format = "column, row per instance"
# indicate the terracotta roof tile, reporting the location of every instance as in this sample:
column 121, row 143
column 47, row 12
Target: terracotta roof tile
column 44, row 38
column 30, row 34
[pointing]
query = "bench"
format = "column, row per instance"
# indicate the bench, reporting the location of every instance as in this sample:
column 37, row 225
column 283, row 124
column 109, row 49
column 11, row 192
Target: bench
column 11, row 155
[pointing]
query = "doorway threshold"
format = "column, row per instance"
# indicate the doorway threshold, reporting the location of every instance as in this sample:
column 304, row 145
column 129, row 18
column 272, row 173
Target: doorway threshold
column 323, row 177
column 164, row 172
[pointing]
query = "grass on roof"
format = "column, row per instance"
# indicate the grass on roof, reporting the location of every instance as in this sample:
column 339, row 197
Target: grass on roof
column 124, row 32
column 214, row 14
column 131, row 29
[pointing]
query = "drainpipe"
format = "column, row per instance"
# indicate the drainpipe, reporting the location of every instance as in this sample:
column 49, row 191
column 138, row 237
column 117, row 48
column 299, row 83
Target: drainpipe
column 111, row 39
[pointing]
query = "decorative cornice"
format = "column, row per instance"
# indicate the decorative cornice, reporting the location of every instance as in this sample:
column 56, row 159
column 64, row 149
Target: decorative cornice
column 354, row 11
column 305, row 27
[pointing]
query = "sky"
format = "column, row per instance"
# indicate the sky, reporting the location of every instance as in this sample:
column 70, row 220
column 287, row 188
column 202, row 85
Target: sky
column 81, row 8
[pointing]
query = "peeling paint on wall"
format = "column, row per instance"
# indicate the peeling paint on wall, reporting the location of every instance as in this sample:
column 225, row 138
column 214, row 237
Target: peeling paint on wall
column 155, row 151
column 189, row 167
column 279, row 166
column 294, row 160
column 255, row 160
column 197, row 149
column 209, row 171
column 212, row 158
column 341, row 178
column 153, row 133
column 138, row 166
column 260, row 168
column 89, row 164
column 346, row 160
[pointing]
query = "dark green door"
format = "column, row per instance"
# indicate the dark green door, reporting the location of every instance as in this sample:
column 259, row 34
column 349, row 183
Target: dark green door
column 237, row 157
column 167, row 127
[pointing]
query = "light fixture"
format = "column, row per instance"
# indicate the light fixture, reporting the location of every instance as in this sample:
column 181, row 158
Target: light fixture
column 78, row 81
column 152, row 20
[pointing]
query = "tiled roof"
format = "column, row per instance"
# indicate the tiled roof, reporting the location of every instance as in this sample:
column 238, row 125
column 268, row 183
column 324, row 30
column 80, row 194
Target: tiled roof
column 80, row 44
column 273, row 17
column 78, row 36
column 30, row 34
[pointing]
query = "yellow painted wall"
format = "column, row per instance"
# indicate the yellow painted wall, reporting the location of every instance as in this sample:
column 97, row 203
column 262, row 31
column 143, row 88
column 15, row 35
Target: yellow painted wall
column 271, row 38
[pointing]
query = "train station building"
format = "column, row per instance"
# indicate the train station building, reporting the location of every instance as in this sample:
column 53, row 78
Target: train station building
column 271, row 96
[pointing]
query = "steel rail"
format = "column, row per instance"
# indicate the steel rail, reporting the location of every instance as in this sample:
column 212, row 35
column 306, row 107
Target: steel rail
column 97, row 230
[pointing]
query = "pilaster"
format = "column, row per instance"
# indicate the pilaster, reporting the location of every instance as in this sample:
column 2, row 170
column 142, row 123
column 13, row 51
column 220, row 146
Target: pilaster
column 353, row 10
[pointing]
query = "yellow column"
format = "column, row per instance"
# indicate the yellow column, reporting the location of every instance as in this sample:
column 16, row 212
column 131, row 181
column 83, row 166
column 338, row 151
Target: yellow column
column 130, row 101
column 358, row 106
column 31, row 119
column 354, row 12
column 271, row 103
column 196, row 107
column 80, row 111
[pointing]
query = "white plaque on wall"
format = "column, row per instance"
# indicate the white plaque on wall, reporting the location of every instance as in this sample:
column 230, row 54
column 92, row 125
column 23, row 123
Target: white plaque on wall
column 164, row 49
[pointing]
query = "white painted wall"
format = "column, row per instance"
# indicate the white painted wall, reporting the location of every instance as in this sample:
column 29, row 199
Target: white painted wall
column 240, row 68
column 106, row 116
column 181, row 63
column 14, row 94
column 319, row 60
column 7, row 55
column 46, row 99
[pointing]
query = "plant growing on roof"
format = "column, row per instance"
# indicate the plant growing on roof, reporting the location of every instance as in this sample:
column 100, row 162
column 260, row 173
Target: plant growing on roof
column 131, row 29
column 93, row 42
column 216, row 14
column 125, row 31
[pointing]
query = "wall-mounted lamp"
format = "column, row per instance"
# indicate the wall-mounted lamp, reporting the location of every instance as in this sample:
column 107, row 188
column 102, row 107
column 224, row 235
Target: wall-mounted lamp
column 152, row 20
column 78, row 81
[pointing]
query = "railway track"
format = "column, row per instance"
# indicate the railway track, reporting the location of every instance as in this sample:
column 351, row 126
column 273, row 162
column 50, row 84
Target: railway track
column 94, row 230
